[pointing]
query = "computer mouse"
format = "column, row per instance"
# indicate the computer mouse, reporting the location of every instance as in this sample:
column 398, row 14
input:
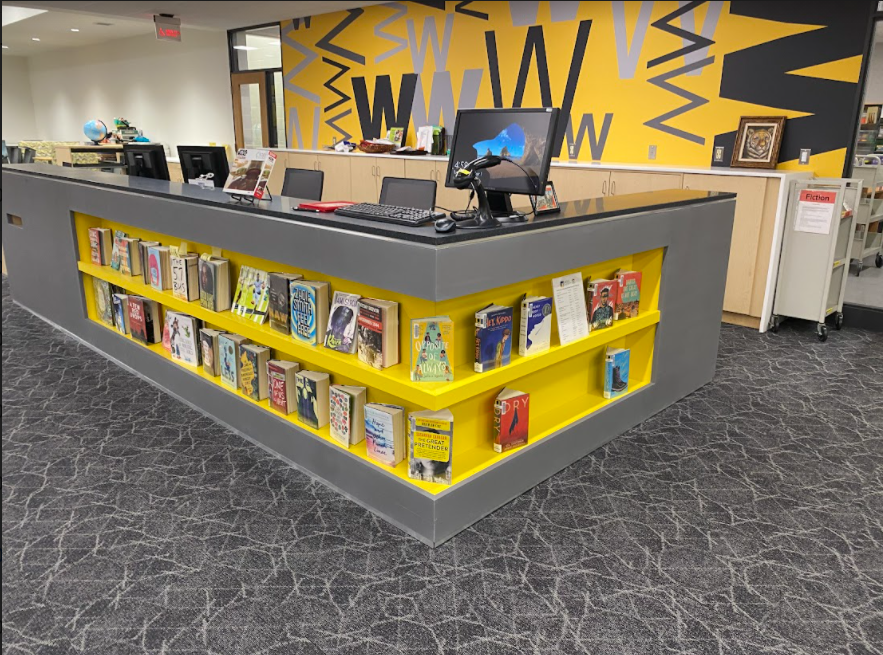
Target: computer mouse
column 445, row 224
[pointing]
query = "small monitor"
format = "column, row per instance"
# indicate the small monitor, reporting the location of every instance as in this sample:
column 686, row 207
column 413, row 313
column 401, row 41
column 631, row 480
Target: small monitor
column 146, row 160
column 406, row 192
column 526, row 136
column 201, row 160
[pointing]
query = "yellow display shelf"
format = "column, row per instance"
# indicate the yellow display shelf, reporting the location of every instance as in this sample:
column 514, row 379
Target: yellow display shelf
column 396, row 379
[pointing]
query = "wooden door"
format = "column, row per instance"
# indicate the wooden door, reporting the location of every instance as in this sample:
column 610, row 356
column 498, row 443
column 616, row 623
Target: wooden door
column 363, row 177
column 579, row 183
column 389, row 167
column 449, row 198
column 251, row 124
column 742, row 270
column 623, row 182
column 338, row 177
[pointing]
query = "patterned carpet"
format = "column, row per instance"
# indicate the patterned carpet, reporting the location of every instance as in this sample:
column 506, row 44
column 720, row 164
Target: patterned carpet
column 748, row 518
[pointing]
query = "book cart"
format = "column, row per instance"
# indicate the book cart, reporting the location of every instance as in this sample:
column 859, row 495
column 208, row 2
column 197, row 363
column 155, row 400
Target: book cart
column 868, row 239
column 814, row 262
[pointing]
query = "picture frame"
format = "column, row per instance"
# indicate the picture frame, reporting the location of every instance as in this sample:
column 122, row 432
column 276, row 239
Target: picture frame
column 546, row 203
column 758, row 141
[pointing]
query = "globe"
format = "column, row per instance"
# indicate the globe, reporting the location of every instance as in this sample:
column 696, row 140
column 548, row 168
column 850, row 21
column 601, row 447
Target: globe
column 95, row 130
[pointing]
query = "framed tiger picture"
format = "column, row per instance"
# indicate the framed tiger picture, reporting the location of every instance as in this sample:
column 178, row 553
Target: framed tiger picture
column 758, row 141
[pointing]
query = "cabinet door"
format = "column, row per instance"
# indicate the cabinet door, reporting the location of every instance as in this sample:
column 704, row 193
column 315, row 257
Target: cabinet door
column 277, row 176
column 623, row 182
column 337, row 184
column 307, row 160
column 742, row 270
column 363, row 177
column 579, row 183
column 449, row 198
column 389, row 167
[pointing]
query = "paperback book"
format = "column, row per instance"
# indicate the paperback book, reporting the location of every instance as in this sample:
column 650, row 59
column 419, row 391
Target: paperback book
column 431, row 435
column 121, row 312
column 312, row 398
column 185, row 276
column 493, row 338
column 210, row 351
column 278, row 311
column 115, row 249
column 309, row 311
column 253, row 370
column 385, row 433
column 346, row 414
column 616, row 372
column 252, row 296
column 341, row 332
column 144, row 320
column 601, row 299
column 432, row 349
column 536, row 325
column 103, row 301
column 570, row 308
column 100, row 247
column 628, row 296
column 130, row 256
column 229, row 344
column 183, row 338
column 143, row 252
column 249, row 172
column 214, row 283
column 511, row 419
column 378, row 332
column 282, row 379
column 160, row 264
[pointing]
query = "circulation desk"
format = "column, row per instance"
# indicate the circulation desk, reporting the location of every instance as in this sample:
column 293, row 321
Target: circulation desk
column 679, row 239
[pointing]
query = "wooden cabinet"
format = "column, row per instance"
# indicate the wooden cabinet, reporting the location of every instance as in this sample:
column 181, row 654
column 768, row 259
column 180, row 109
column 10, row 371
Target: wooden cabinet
column 623, row 182
column 337, row 184
column 579, row 183
column 175, row 174
column 363, row 177
column 286, row 160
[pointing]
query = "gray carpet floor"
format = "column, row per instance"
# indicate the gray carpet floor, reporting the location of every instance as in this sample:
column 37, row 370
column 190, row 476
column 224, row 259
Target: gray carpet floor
column 747, row 518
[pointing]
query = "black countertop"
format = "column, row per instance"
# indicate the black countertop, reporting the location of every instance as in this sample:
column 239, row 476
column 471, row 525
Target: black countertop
column 579, row 211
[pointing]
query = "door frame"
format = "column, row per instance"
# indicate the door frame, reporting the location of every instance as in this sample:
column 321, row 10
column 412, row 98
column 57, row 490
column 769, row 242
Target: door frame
column 237, row 80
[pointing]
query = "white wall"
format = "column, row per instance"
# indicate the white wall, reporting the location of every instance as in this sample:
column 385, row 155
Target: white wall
column 18, row 107
column 177, row 93
column 874, row 88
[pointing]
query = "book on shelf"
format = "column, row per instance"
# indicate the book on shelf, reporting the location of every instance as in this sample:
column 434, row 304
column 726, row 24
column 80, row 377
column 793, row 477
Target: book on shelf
column 616, row 372
column 130, row 258
column 253, row 370
column 252, row 296
column 282, row 381
column 145, row 320
column 184, row 337
column 279, row 310
column 385, row 433
column 159, row 261
column 628, row 295
column 312, row 398
column 100, row 245
column 570, row 308
column 103, row 300
column 115, row 249
column 432, row 349
column 143, row 253
column 511, row 419
column 309, row 310
column 229, row 344
column 185, row 276
column 430, row 441
column 211, row 362
column 601, row 300
column 535, row 334
column 493, row 338
column 378, row 332
column 214, row 283
column 121, row 312
column 346, row 414
column 341, row 332
column 167, row 332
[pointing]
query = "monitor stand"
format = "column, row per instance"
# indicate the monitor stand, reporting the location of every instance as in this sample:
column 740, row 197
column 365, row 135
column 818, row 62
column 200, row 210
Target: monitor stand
column 500, row 204
column 484, row 217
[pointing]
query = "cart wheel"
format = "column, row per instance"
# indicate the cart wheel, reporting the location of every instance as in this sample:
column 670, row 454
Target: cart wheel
column 774, row 325
column 822, row 330
column 878, row 260
column 838, row 320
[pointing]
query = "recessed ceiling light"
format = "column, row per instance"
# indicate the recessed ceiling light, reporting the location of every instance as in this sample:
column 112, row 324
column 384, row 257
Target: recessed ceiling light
column 6, row 47
column 75, row 29
column 244, row 47
column 35, row 38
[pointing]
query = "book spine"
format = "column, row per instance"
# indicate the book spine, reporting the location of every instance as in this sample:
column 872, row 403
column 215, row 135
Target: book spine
column 480, row 323
column 498, row 417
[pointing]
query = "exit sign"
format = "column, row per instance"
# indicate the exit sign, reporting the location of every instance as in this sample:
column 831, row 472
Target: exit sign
column 168, row 28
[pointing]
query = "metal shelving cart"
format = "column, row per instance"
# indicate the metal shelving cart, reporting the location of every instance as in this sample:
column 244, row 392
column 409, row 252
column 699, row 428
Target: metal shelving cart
column 868, row 239
column 814, row 262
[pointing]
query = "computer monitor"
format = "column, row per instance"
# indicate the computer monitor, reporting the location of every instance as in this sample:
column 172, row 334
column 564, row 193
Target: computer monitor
column 201, row 160
column 526, row 136
column 146, row 160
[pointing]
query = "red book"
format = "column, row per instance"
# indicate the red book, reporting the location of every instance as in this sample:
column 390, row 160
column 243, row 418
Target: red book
column 282, row 385
column 628, row 295
column 601, row 297
column 511, row 418
column 324, row 207
column 144, row 320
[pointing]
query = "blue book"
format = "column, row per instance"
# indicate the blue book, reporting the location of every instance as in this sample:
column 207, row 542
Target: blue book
column 493, row 338
column 309, row 311
column 536, row 325
column 121, row 312
column 616, row 372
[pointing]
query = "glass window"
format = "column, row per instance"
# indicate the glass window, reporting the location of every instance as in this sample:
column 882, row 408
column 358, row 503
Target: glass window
column 279, row 108
column 256, row 48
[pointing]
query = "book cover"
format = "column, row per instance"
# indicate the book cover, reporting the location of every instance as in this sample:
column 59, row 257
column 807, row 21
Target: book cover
column 118, row 235
column 345, row 416
column 570, row 308
column 154, row 266
column 130, row 261
column 307, row 299
column 121, row 312
column 140, row 320
column 103, row 301
column 253, row 370
column 493, row 338
column 377, row 332
column 253, row 294
column 278, row 310
column 430, row 437
column 628, row 296
column 511, row 419
column 183, row 331
column 616, row 372
column 341, row 332
column 600, row 300
column 95, row 246
column 432, row 349
column 383, row 428
column 185, row 285
column 214, row 283
column 228, row 345
column 210, row 351
column 241, row 283
column 143, row 250
column 281, row 376
column 249, row 172
column 312, row 398
column 536, row 326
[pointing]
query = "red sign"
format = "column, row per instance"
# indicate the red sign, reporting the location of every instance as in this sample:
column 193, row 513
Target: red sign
column 168, row 28
column 814, row 195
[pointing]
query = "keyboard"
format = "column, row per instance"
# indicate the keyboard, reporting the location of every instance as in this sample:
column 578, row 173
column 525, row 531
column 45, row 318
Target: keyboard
column 387, row 213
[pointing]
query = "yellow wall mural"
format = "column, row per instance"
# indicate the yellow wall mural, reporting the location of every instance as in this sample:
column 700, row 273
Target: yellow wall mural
column 630, row 75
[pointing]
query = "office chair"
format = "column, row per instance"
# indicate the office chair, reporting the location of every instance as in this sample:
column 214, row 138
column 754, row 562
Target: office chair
column 405, row 192
column 27, row 156
column 13, row 154
column 303, row 183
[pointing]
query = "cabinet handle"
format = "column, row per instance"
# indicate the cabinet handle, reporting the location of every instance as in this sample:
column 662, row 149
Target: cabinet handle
column 374, row 171
column 613, row 188
column 604, row 188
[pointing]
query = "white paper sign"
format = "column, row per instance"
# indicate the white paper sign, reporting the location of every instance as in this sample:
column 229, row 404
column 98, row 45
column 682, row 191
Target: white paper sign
column 570, row 308
column 815, row 211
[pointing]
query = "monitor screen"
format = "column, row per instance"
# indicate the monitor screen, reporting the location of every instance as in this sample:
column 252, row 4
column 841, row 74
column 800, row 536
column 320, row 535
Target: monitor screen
column 146, row 160
column 402, row 192
column 523, row 135
column 201, row 160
